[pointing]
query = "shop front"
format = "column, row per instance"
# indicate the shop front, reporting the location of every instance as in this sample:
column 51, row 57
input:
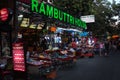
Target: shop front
column 36, row 24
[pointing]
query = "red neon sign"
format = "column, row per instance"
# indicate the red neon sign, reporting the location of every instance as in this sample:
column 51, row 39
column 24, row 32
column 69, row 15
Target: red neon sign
column 18, row 57
column 4, row 13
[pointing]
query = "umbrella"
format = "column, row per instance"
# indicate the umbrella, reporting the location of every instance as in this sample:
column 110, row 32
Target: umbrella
column 115, row 36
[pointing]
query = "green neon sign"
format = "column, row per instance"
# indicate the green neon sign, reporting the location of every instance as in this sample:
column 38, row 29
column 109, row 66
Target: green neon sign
column 56, row 13
column 49, row 11
column 53, row 12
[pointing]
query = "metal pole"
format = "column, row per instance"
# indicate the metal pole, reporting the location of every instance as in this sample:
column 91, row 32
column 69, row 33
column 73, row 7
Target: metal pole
column 10, row 34
column 0, row 44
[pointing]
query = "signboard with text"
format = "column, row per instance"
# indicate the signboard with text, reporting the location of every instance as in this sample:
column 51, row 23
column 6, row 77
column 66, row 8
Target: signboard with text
column 88, row 18
column 53, row 12
column 18, row 57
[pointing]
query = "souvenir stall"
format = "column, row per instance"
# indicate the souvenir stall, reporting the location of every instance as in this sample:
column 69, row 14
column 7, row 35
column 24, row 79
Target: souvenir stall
column 86, row 45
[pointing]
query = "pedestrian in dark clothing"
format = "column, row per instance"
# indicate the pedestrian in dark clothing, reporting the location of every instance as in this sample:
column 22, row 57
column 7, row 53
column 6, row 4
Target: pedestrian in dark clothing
column 107, row 47
column 118, row 45
column 43, row 44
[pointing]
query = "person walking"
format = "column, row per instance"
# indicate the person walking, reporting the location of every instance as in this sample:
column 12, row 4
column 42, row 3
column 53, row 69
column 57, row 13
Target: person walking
column 107, row 47
column 102, row 46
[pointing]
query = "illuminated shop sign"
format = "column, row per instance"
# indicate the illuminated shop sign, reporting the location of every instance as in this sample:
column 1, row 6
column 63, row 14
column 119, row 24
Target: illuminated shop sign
column 4, row 13
column 55, row 13
column 25, row 23
column 18, row 57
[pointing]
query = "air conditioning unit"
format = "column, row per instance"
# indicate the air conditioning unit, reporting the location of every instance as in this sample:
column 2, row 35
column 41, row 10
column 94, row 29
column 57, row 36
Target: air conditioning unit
column 50, row 1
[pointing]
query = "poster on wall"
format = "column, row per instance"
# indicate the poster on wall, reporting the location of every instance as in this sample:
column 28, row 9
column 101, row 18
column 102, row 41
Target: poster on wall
column 18, row 57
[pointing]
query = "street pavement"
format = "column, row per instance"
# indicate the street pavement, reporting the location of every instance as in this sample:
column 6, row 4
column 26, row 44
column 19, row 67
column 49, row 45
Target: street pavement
column 97, row 68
